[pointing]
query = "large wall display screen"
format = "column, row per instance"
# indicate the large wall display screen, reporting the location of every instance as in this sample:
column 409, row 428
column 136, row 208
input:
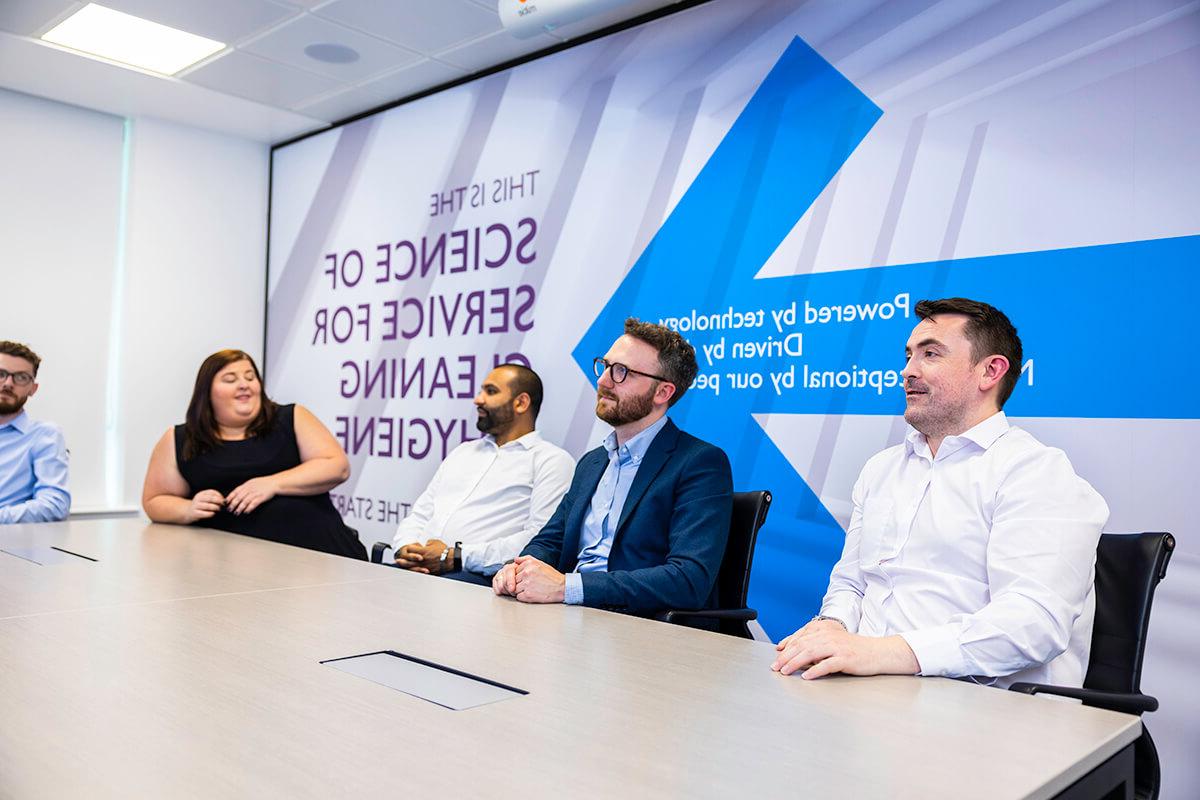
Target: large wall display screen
column 781, row 182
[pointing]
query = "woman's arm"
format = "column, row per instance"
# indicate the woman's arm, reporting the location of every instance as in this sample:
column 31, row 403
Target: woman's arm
column 323, row 465
column 165, row 492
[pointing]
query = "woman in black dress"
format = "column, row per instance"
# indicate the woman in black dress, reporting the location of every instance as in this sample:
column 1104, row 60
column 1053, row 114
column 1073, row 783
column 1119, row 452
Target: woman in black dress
column 244, row 464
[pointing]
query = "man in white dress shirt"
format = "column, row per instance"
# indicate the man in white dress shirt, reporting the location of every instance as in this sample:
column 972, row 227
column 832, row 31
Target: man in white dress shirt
column 491, row 495
column 972, row 546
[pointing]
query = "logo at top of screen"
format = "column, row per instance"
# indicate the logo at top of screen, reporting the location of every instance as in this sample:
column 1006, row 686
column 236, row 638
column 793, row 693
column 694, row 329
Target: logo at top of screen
column 524, row 8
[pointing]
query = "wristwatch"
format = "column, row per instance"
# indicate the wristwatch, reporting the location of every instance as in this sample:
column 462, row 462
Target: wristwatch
column 455, row 562
column 820, row 617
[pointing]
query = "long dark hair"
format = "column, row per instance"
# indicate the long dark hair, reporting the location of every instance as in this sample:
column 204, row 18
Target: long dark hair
column 200, row 426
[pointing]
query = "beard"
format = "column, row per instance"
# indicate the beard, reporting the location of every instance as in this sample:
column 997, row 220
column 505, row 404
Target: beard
column 11, row 403
column 937, row 416
column 624, row 411
column 494, row 419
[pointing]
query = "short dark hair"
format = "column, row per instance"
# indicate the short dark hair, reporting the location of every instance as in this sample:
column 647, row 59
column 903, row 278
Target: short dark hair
column 988, row 330
column 526, row 381
column 200, row 426
column 676, row 358
column 19, row 350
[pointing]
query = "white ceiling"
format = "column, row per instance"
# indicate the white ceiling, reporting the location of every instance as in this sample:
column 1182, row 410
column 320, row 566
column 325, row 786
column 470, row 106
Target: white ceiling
column 263, row 86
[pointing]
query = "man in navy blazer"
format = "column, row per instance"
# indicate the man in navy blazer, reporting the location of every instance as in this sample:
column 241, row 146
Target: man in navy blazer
column 644, row 525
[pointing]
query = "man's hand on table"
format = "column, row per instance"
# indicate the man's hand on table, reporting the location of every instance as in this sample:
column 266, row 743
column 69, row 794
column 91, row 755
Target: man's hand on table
column 426, row 558
column 823, row 647
column 530, row 581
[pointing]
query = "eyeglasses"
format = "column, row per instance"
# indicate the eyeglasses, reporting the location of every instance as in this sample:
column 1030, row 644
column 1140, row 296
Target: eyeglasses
column 23, row 378
column 620, row 372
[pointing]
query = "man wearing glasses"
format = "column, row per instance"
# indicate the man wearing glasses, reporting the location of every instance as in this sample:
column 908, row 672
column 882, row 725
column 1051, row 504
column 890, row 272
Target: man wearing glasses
column 644, row 525
column 33, row 455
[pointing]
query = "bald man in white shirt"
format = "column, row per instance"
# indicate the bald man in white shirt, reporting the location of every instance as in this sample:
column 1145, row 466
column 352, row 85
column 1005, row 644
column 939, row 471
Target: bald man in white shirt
column 972, row 546
column 491, row 495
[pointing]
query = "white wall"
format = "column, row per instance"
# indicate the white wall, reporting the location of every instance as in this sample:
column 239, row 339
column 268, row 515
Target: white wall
column 59, row 222
column 132, row 249
column 195, row 272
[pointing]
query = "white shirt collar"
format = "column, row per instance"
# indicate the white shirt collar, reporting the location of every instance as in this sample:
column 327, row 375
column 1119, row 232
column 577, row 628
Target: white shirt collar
column 526, row 441
column 983, row 434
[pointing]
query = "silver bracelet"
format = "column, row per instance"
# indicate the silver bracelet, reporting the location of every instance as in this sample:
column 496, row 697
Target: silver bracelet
column 820, row 617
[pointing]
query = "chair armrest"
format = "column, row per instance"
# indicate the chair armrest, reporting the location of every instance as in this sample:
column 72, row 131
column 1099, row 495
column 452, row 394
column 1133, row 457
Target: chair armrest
column 735, row 614
column 1125, row 702
column 377, row 551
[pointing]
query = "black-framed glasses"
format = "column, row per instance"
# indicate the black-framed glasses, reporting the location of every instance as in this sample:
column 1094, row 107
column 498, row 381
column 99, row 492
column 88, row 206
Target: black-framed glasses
column 24, row 378
column 620, row 372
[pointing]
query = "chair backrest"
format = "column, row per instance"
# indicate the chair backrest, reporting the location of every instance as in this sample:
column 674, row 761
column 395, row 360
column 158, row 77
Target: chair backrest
column 1128, row 569
column 733, row 579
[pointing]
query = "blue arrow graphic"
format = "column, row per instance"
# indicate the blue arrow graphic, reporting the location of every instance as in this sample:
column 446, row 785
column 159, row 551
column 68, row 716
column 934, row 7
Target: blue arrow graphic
column 1099, row 340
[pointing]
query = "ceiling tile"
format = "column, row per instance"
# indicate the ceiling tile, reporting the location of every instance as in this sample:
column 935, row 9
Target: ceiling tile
column 286, row 44
column 494, row 49
column 227, row 21
column 38, row 69
column 245, row 75
column 426, row 27
column 411, row 80
column 29, row 17
column 340, row 105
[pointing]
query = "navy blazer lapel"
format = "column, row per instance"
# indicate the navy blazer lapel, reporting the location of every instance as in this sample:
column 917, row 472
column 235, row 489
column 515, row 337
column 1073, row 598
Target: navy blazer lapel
column 592, row 467
column 656, row 458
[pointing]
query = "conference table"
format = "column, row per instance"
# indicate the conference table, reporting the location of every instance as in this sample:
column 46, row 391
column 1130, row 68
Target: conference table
column 152, row 660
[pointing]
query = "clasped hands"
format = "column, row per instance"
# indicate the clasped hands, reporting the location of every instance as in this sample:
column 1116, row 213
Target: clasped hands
column 242, row 500
column 823, row 647
column 530, row 581
column 425, row 558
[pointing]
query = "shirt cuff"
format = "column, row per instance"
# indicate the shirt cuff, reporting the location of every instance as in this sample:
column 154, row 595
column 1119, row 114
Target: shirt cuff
column 844, row 609
column 937, row 650
column 573, row 591
column 471, row 557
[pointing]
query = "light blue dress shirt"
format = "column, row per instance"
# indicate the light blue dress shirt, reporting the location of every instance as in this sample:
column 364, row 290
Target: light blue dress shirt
column 600, row 522
column 33, row 471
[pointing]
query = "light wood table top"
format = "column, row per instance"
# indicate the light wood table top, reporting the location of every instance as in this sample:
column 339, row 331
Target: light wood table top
column 187, row 665
column 141, row 562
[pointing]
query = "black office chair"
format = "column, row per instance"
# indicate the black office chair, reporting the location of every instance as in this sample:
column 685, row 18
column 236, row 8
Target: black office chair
column 377, row 551
column 1128, row 569
column 733, row 579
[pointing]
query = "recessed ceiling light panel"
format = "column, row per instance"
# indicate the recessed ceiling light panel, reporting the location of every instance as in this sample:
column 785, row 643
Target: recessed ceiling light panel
column 130, row 40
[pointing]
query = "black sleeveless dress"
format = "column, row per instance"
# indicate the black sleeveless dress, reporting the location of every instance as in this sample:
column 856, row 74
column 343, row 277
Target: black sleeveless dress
column 310, row 521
